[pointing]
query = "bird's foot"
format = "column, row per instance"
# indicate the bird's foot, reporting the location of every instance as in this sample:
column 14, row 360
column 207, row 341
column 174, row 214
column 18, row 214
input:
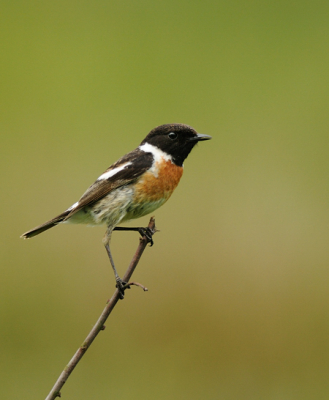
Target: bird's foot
column 122, row 286
column 148, row 233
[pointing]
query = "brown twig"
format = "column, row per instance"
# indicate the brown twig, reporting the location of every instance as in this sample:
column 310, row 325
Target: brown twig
column 99, row 326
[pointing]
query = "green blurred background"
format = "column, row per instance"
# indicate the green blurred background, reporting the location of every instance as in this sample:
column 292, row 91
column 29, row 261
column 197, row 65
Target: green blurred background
column 238, row 278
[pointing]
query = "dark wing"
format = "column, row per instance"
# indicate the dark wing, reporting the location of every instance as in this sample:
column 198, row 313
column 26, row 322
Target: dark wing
column 124, row 171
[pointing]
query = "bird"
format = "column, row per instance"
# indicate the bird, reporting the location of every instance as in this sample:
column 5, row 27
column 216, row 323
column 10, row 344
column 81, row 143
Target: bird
column 137, row 184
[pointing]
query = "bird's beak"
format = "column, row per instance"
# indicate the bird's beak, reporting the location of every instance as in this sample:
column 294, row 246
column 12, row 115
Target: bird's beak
column 199, row 137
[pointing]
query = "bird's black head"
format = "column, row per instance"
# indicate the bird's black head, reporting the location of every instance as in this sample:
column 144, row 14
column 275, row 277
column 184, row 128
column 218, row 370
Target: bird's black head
column 177, row 140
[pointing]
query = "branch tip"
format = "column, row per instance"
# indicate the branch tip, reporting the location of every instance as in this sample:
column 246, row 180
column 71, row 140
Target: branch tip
column 139, row 285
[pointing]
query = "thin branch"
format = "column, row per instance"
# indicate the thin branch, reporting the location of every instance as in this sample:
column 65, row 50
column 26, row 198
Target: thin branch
column 99, row 326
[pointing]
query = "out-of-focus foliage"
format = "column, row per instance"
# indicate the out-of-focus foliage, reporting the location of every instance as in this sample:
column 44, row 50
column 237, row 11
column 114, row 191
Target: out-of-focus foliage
column 238, row 299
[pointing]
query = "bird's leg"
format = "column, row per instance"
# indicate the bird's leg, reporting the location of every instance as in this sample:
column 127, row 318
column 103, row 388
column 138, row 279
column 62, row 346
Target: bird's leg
column 144, row 232
column 120, row 284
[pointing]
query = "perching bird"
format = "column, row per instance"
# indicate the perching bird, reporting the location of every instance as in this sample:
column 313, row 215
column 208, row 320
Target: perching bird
column 135, row 185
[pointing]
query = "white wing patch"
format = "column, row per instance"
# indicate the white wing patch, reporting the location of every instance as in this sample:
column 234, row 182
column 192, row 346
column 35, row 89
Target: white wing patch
column 112, row 172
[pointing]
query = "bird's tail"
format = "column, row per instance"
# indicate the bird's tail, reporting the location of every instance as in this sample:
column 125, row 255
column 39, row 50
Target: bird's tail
column 47, row 225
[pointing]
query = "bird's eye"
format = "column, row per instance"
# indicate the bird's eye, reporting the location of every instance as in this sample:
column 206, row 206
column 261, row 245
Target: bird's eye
column 172, row 135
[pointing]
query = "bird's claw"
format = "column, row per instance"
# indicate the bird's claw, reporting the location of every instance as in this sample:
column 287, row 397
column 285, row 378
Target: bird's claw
column 148, row 233
column 122, row 286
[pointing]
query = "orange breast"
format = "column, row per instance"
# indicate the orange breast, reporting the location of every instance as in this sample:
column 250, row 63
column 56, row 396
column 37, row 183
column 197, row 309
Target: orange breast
column 160, row 184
